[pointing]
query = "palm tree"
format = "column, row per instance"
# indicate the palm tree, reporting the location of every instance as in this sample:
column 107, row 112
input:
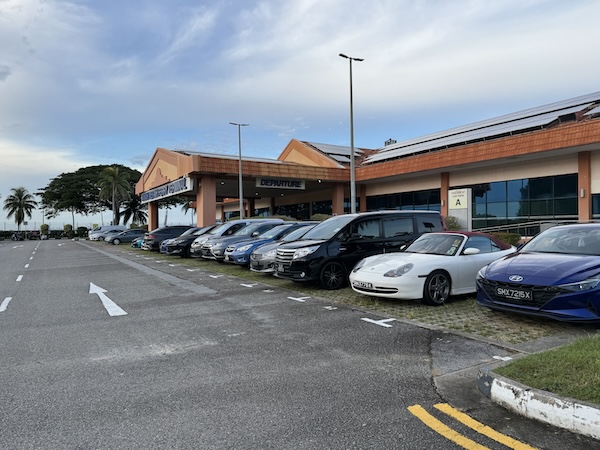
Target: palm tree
column 135, row 210
column 19, row 204
column 115, row 187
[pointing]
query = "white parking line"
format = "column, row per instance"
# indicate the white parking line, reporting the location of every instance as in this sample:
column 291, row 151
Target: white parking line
column 381, row 323
column 5, row 303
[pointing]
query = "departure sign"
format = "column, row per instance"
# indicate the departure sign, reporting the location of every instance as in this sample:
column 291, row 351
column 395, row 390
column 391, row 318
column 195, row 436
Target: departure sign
column 279, row 183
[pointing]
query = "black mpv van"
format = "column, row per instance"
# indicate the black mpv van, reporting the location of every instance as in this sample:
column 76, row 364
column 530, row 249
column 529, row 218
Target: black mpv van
column 329, row 251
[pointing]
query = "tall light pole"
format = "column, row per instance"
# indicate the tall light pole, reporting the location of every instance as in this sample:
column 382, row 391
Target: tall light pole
column 241, row 188
column 352, row 170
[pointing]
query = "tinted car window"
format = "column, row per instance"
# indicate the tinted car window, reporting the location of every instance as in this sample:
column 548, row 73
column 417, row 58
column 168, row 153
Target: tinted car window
column 366, row 229
column 397, row 226
column 428, row 223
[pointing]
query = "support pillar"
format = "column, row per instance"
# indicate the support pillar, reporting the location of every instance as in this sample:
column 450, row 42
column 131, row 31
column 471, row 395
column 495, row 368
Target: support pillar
column 362, row 196
column 445, row 186
column 584, row 185
column 206, row 201
column 337, row 199
column 152, row 216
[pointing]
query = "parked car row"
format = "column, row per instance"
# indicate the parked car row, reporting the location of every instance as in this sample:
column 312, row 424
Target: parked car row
column 409, row 255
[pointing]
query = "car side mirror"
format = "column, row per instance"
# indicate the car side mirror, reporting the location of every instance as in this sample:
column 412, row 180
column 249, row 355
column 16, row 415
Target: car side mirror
column 470, row 251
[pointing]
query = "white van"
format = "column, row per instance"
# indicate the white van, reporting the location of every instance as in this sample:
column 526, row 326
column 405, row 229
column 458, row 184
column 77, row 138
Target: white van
column 97, row 234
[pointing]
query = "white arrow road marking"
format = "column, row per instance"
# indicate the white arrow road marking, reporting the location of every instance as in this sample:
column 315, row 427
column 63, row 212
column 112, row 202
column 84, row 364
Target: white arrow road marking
column 381, row 323
column 5, row 303
column 249, row 285
column 111, row 307
column 298, row 299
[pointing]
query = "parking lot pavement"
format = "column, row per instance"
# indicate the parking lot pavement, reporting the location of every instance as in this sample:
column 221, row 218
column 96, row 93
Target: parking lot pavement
column 466, row 329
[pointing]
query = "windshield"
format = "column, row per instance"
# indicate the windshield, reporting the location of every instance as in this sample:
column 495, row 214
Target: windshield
column 582, row 240
column 328, row 228
column 436, row 244
column 297, row 234
column 190, row 231
column 249, row 229
column 221, row 228
column 273, row 232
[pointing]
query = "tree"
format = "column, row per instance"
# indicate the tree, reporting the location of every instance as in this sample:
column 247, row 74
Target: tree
column 78, row 192
column 135, row 210
column 115, row 187
column 19, row 204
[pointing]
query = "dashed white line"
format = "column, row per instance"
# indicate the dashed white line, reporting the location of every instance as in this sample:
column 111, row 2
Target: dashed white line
column 5, row 303
column 20, row 277
column 26, row 266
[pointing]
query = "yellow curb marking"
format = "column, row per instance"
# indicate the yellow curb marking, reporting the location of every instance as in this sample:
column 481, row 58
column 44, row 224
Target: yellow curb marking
column 452, row 435
column 481, row 428
column 443, row 429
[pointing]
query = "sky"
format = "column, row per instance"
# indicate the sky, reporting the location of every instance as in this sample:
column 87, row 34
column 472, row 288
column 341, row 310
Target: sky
column 87, row 82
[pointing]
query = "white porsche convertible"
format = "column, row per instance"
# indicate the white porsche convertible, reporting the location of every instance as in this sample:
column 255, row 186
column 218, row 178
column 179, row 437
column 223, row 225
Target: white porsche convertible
column 432, row 268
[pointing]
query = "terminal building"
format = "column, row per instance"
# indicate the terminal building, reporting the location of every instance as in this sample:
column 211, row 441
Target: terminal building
column 521, row 169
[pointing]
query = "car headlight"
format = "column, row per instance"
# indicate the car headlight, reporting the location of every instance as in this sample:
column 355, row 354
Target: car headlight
column 271, row 254
column 584, row 285
column 244, row 248
column 302, row 252
column 481, row 273
column 399, row 271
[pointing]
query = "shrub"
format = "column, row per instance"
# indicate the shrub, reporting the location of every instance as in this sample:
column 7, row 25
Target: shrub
column 452, row 223
column 68, row 229
column 509, row 238
column 320, row 217
column 45, row 229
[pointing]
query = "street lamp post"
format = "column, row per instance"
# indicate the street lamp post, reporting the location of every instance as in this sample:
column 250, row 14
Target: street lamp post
column 241, row 188
column 352, row 170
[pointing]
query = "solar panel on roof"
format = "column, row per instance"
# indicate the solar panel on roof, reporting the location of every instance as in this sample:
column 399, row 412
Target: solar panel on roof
column 551, row 107
column 475, row 134
column 596, row 110
column 340, row 158
column 335, row 149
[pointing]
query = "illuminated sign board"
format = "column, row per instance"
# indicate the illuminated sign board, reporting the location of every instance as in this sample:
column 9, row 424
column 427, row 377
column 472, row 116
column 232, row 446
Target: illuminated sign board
column 167, row 190
column 279, row 183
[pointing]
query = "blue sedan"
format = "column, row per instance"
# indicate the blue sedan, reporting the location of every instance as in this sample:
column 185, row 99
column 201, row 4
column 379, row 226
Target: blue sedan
column 239, row 252
column 556, row 275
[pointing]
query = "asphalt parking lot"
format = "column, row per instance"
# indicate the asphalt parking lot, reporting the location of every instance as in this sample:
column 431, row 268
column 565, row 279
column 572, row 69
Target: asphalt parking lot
column 460, row 315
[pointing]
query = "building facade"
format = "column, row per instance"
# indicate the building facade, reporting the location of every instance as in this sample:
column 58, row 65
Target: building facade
column 541, row 164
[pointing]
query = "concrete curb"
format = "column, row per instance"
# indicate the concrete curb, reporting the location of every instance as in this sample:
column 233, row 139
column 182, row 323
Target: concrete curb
column 540, row 405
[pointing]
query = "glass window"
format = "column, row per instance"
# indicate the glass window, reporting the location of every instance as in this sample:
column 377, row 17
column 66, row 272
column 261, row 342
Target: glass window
column 483, row 243
column 496, row 209
column 367, row 229
column 517, row 190
column 497, row 192
column 565, row 186
column 397, row 226
column 540, row 188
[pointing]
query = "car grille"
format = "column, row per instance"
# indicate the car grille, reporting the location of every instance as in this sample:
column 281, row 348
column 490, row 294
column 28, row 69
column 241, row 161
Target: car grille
column 541, row 294
column 285, row 256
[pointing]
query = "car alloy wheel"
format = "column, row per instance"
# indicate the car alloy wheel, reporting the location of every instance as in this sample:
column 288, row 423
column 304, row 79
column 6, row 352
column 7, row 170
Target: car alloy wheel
column 437, row 288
